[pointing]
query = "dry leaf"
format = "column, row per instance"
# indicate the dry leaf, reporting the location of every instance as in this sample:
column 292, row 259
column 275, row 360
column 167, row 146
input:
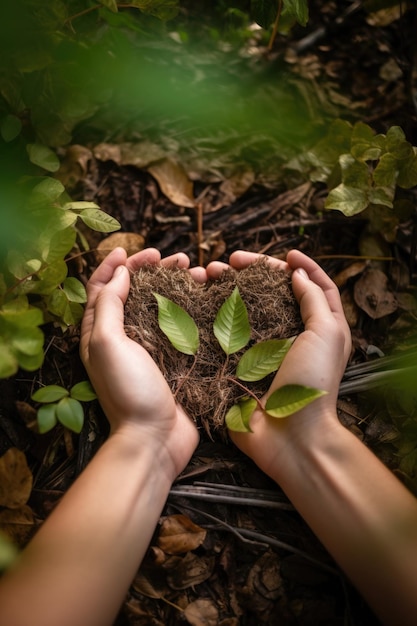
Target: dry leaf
column 191, row 570
column 372, row 295
column 350, row 309
column 202, row 613
column 349, row 272
column 174, row 182
column 74, row 165
column 15, row 479
column 236, row 185
column 146, row 587
column 131, row 242
column 17, row 524
column 178, row 534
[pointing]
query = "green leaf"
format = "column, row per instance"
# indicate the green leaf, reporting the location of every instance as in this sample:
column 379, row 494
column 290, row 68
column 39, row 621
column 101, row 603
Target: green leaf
column 407, row 176
column 382, row 195
column 99, row 220
column 80, row 206
column 74, row 290
column 50, row 393
column 238, row 416
column 291, row 398
column 109, row 4
column 386, row 172
column 83, row 391
column 28, row 340
column 262, row 359
column 30, row 362
column 162, row 9
column 55, row 246
column 297, row 9
column 348, row 200
column 264, row 12
column 43, row 156
column 10, row 127
column 8, row 552
column 46, row 417
column 70, row 413
column 231, row 326
column 8, row 361
column 394, row 138
column 177, row 325
column 49, row 189
column 366, row 146
column 49, row 278
column 354, row 173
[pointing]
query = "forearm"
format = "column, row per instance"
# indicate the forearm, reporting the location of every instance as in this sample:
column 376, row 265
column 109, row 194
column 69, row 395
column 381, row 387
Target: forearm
column 362, row 514
column 86, row 553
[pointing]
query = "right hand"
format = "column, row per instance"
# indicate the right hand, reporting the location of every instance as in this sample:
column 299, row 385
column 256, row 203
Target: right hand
column 317, row 359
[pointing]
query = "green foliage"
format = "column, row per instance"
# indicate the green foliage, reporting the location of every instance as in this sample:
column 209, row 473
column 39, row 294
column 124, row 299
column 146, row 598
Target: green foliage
column 34, row 284
column 231, row 326
column 8, row 552
column 177, row 325
column 361, row 168
column 291, row 398
column 61, row 405
column 232, row 329
column 265, row 12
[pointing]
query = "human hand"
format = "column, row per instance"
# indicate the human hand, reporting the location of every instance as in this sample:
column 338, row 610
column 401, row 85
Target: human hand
column 132, row 391
column 317, row 359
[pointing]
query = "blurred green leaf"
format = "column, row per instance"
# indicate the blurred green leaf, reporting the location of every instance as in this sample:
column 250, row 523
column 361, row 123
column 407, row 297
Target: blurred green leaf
column 83, row 391
column 43, row 156
column 71, row 414
column 10, row 127
column 46, row 417
column 49, row 393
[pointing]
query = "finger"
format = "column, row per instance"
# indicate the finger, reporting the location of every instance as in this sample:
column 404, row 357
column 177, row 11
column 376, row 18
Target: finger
column 108, row 318
column 199, row 274
column 149, row 256
column 180, row 260
column 297, row 259
column 242, row 258
column 215, row 269
column 103, row 274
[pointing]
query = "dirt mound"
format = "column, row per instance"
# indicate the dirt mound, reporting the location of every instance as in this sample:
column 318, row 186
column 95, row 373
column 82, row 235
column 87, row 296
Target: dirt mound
column 202, row 384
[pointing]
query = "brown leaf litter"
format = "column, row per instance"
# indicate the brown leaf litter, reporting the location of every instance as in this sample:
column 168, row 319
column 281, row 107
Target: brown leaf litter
column 205, row 387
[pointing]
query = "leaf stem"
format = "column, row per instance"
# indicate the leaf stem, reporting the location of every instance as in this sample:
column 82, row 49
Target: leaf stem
column 248, row 391
column 275, row 27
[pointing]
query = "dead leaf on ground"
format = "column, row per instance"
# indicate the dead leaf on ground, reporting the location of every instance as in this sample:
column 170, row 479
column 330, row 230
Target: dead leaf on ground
column 235, row 186
column 178, row 534
column 17, row 524
column 74, row 165
column 15, row 479
column 349, row 272
column 202, row 613
column 191, row 570
column 131, row 242
column 350, row 308
column 174, row 182
column 372, row 295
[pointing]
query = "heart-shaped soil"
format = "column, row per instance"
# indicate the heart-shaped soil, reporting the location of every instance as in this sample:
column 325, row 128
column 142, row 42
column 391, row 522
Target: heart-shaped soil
column 203, row 384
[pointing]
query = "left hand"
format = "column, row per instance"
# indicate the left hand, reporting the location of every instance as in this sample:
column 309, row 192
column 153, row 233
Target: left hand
column 131, row 389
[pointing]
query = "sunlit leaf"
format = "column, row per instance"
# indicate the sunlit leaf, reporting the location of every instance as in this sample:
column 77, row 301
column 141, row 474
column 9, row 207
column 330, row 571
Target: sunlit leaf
column 99, row 220
column 348, row 200
column 80, row 206
column 46, row 417
column 231, row 326
column 71, row 414
column 74, row 290
column 43, row 156
column 50, row 393
column 262, row 359
column 49, row 189
column 238, row 416
column 83, row 391
column 291, row 398
column 177, row 325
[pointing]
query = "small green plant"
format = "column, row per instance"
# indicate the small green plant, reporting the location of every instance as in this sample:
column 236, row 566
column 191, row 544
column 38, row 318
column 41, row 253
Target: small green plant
column 61, row 405
column 232, row 330
column 363, row 169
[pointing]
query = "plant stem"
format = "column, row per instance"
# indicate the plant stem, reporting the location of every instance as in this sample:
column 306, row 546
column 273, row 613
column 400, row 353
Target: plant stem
column 275, row 27
column 248, row 391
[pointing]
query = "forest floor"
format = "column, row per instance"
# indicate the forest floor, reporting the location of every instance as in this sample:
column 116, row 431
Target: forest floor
column 246, row 557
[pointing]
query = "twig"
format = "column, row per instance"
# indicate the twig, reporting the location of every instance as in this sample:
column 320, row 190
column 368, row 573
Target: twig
column 275, row 27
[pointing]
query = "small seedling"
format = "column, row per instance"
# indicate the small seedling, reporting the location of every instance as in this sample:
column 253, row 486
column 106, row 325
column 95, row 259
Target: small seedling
column 232, row 330
column 61, row 405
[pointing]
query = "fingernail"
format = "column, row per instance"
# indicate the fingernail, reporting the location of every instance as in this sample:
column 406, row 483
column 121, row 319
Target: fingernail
column 302, row 273
column 119, row 269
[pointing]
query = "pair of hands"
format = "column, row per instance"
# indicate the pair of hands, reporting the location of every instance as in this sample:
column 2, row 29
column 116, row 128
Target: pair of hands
column 136, row 398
